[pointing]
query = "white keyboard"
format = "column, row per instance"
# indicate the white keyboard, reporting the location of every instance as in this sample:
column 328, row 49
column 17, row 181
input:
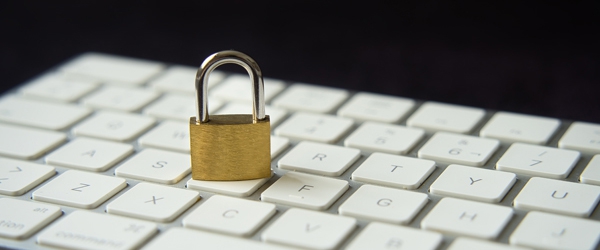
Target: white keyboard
column 94, row 154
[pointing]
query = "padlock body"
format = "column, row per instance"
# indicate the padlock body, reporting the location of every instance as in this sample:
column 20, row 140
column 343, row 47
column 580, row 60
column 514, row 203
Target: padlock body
column 230, row 147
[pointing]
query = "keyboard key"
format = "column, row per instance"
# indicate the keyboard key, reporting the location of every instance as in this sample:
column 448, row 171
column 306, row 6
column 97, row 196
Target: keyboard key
column 169, row 135
column 276, row 115
column 394, row 171
column 582, row 136
column 157, row 166
column 380, row 236
column 317, row 158
column 305, row 191
column 239, row 88
column 89, row 154
column 181, row 79
column 467, row 218
column 120, row 98
column 512, row 127
column 232, row 188
column 278, row 144
column 87, row 230
column 19, row 219
column 309, row 229
column 79, row 189
column 384, row 204
column 314, row 127
column 27, row 143
column 461, row 243
column 17, row 177
column 538, row 161
column 558, row 197
column 473, row 183
column 384, row 138
column 153, row 202
column 230, row 215
column 178, row 107
column 591, row 174
column 550, row 231
column 55, row 87
column 446, row 117
column 40, row 114
column 379, row 108
column 113, row 126
column 310, row 98
column 460, row 149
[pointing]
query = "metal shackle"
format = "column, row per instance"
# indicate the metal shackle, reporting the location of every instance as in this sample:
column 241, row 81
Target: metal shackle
column 225, row 57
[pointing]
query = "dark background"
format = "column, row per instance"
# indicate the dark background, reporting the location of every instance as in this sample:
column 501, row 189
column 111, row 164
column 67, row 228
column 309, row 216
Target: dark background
column 535, row 57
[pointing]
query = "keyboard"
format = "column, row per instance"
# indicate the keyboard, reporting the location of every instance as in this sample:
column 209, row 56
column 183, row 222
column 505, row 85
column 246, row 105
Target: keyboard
column 95, row 154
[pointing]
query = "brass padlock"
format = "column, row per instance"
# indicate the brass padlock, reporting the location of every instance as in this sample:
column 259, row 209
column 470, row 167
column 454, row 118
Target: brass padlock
column 230, row 147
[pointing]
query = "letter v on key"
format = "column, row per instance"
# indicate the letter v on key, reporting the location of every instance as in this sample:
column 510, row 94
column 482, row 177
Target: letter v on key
column 310, row 228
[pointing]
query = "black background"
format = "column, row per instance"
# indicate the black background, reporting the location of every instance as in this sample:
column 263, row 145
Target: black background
column 535, row 57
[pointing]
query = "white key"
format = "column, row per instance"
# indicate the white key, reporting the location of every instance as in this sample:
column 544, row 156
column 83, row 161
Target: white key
column 27, row 143
column 89, row 154
column 380, row 236
column 582, row 136
column 113, row 126
column 468, row 218
column 278, row 144
column 178, row 107
column 88, row 230
column 393, row 139
column 112, row 69
column 18, row 177
column 239, row 88
column 473, row 183
column 591, row 174
column 462, row 243
column 446, row 117
column 180, row 79
column 309, row 229
column 232, row 188
column 55, row 87
column 79, row 189
column 550, row 231
column 314, row 127
column 120, row 98
column 153, row 202
column 306, row 191
column 157, row 166
column 538, row 161
column 276, row 115
column 460, row 149
column 319, row 158
column 558, row 197
column 310, row 98
column 169, row 135
column 383, row 204
column 19, row 219
column 511, row 127
column 394, row 170
column 374, row 107
column 230, row 215
column 40, row 114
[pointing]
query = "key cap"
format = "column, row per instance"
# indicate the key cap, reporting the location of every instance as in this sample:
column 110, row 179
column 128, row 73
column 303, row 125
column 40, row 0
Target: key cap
column 108, row 232
column 467, row 218
column 309, row 229
column 394, row 171
column 89, row 154
column 55, row 87
column 278, row 144
column 511, row 127
column 169, row 135
column 178, row 107
column 239, row 88
column 18, row 177
column 113, row 126
column 20, row 219
column 79, row 189
column 380, row 236
column 314, row 127
column 305, row 191
column 27, row 143
column 317, row 158
column 558, row 197
column 153, row 202
column 461, row 243
column 551, row 231
column 310, row 98
column 582, row 136
column 446, row 117
column 383, row 204
column 157, row 166
column 460, row 149
column 232, row 188
column 473, row 183
column 230, row 215
column 180, row 79
column 276, row 115
column 591, row 174
column 384, row 138
column 120, row 98
column 379, row 108
column 538, row 161
column 40, row 114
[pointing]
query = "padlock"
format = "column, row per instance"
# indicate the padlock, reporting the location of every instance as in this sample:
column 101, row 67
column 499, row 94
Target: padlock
column 230, row 147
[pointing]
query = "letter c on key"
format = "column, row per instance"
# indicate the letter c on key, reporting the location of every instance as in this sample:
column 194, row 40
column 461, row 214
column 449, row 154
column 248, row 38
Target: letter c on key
column 230, row 213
